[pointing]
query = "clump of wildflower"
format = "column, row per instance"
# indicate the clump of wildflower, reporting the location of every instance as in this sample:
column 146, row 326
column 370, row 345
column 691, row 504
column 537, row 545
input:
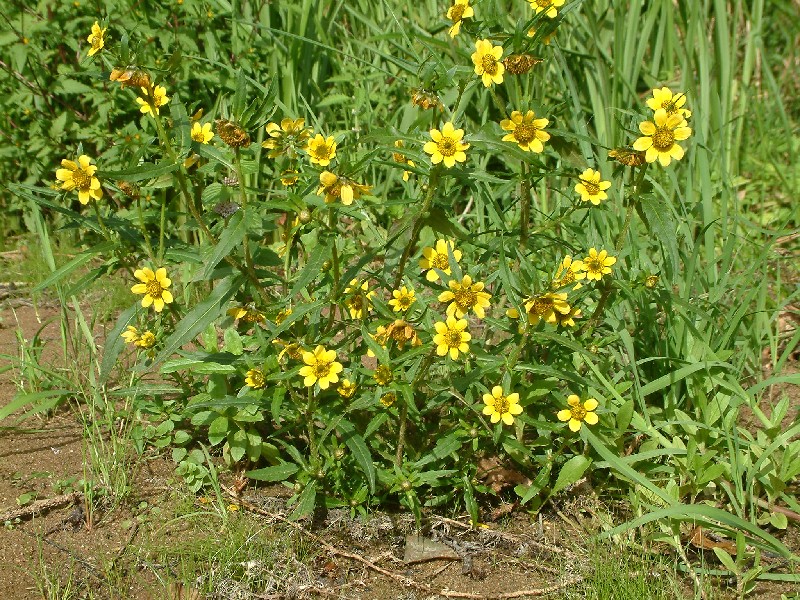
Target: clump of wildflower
column 232, row 134
column 80, row 177
column 578, row 413
column 451, row 336
column 383, row 375
column 438, row 258
column 246, row 314
column 334, row 186
column 526, row 131
column 402, row 299
column 359, row 301
column 346, row 388
column 131, row 76
column 255, row 379
column 549, row 7
column 456, row 13
column 500, row 406
column 519, row 64
column 321, row 151
column 401, row 158
column 96, row 38
column 153, row 100
column 671, row 103
column 287, row 138
column 465, row 296
column 154, row 287
column 321, row 367
column 569, row 272
column 486, row 59
column 660, row 135
column 446, row 145
column 425, row 99
column 591, row 187
column 598, row 264
column 202, row 133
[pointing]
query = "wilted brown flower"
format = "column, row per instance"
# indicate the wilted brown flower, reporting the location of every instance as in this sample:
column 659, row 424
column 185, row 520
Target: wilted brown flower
column 132, row 76
column 232, row 134
column 519, row 64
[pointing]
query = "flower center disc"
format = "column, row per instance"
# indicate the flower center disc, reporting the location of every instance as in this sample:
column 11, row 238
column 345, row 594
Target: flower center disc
column 489, row 64
column 441, row 262
column 453, row 339
column 592, row 188
column 465, row 299
column 501, row 405
column 81, row 180
column 544, row 3
column 663, row 139
column 457, row 12
column 447, row 147
column 154, row 289
column 578, row 413
column 524, row 132
column 322, row 369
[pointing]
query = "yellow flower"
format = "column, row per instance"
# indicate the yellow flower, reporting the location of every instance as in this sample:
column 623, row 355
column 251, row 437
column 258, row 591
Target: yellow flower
column 568, row 272
column 202, row 133
column 287, row 138
column 446, row 145
column 402, row 299
column 398, row 157
column 321, row 151
column 425, row 99
column 154, row 287
column 321, row 367
column 660, row 136
column 346, row 388
column 96, row 38
column 400, row 331
column 598, row 264
column 546, row 307
column 528, row 131
column 547, row 38
column 568, row 320
column 80, row 177
column 246, row 314
column 151, row 103
column 486, row 59
column 458, row 11
column 451, row 336
column 360, row 301
column 671, row 103
column 383, row 375
column 465, row 296
column 130, row 76
column 438, row 257
column 591, row 187
column 388, row 399
column 255, row 379
column 233, row 507
column 577, row 413
column 500, row 406
column 131, row 335
column 289, row 177
column 146, row 340
column 335, row 187
column 546, row 6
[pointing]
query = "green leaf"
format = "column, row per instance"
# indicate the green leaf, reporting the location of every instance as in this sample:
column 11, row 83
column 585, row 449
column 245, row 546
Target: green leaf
column 279, row 472
column 218, row 430
column 115, row 343
column 306, row 502
column 197, row 319
column 537, row 485
column 145, row 171
column 360, row 451
column 75, row 263
column 40, row 401
column 233, row 342
column 660, row 223
column 571, row 471
column 725, row 559
column 231, row 237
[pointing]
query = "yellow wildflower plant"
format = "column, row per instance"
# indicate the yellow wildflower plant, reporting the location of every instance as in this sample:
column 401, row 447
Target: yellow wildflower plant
column 202, row 133
column 255, row 379
column 321, row 151
column 591, row 187
column 321, row 368
column 402, row 299
column 152, row 102
column 288, row 138
column 335, row 187
column 97, row 38
column 501, row 407
column 526, row 131
column 578, row 413
column 451, row 337
column 456, row 13
column 548, row 7
column 438, row 258
column 671, row 103
column 486, row 59
column 546, row 307
column 598, row 264
column 246, row 314
column 465, row 296
column 80, row 177
column 154, row 287
column 346, row 388
column 568, row 272
column 446, row 145
column 401, row 158
column 660, row 135
column 360, row 301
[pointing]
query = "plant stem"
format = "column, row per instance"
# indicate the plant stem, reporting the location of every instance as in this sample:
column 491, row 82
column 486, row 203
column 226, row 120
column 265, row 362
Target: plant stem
column 144, row 231
column 401, row 434
column 312, row 438
column 525, row 207
column 248, row 259
column 426, row 206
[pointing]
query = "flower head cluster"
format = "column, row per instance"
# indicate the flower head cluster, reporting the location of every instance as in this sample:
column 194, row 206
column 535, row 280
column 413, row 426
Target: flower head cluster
column 659, row 136
column 288, row 138
column 359, row 302
column 438, row 258
column 446, row 145
column 451, row 337
column 80, row 177
column 154, row 287
column 569, row 271
column 399, row 331
column 335, row 187
column 96, row 38
column 201, row 133
column 579, row 413
column 527, row 131
column 321, row 150
column 402, row 299
column 488, row 65
column 255, row 379
column 144, row 339
column 465, row 296
column 153, row 100
column 500, row 406
column 321, row 367
column 598, row 264
column 548, row 7
column 591, row 187
column 456, row 13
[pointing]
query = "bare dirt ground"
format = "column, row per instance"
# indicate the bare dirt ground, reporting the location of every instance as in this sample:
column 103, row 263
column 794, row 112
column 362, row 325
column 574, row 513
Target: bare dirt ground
column 109, row 554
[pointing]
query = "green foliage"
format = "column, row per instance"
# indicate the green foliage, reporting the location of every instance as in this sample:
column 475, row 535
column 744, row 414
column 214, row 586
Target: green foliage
column 284, row 288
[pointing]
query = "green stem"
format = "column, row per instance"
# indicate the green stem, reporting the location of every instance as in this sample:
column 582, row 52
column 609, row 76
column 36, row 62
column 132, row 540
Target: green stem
column 145, row 235
column 248, row 259
column 312, row 438
column 401, row 434
column 525, row 207
column 426, row 206
column 100, row 221
column 161, row 228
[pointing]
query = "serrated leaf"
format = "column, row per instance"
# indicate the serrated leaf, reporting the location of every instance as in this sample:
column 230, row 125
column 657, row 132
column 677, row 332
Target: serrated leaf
column 306, row 501
column 231, row 237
